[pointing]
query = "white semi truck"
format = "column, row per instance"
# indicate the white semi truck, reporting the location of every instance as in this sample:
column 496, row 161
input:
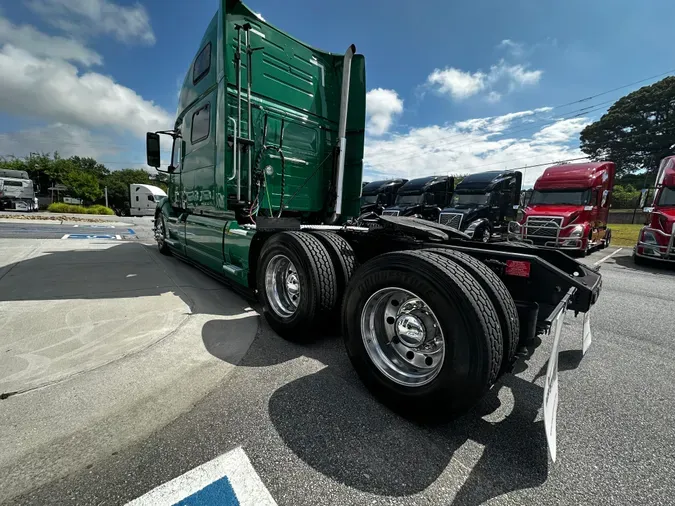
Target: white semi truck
column 17, row 191
column 143, row 199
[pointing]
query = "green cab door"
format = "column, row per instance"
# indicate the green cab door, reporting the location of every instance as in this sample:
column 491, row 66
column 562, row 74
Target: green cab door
column 203, row 233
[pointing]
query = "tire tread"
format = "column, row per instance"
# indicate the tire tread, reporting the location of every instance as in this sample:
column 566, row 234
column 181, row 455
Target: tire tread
column 500, row 296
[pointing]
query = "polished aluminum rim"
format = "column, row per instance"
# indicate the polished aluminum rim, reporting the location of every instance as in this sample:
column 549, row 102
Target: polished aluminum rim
column 486, row 235
column 282, row 286
column 403, row 337
column 160, row 233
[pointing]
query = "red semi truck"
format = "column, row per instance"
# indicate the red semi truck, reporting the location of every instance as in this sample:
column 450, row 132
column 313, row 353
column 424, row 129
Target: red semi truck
column 657, row 239
column 569, row 208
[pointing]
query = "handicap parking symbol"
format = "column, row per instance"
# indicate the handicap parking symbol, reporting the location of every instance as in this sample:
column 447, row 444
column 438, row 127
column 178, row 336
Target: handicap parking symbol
column 228, row 480
column 92, row 236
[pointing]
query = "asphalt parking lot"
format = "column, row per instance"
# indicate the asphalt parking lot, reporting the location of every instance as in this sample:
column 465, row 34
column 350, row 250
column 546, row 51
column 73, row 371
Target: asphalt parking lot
column 312, row 433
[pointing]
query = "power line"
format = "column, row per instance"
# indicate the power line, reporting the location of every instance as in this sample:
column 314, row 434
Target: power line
column 616, row 89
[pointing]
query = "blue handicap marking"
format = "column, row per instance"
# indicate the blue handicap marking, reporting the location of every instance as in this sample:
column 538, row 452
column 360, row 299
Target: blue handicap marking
column 91, row 236
column 227, row 480
column 218, row 492
column 131, row 231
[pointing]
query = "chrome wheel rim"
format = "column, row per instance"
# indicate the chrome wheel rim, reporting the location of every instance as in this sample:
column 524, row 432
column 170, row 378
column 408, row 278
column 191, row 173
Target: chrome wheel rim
column 402, row 337
column 282, row 286
column 160, row 233
column 486, row 236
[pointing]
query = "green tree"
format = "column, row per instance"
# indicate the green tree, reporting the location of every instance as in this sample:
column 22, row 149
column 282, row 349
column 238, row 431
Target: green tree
column 82, row 185
column 91, row 166
column 637, row 131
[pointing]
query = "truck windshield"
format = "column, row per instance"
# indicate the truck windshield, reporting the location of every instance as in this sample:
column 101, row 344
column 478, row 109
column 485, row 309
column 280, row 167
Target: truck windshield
column 566, row 197
column 407, row 200
column 667, row 197
column 469, row 200
column 368, row 199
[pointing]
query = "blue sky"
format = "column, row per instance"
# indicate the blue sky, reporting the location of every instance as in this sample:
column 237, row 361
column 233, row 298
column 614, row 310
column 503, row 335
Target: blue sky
column 455, row 87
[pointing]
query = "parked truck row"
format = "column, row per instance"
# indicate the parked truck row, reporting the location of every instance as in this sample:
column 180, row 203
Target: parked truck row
column 265, row 193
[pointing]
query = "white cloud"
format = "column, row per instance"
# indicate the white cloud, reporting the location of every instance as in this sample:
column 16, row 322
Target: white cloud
column 68, row 140
column 475, row 145
column 493, row 97
column 382, row 106
column 54, row 90
column 40, row 44
column 561, row 131
column 458, row 84
column 515, row 49
column 97, row 17
column 516, row 76
column 502, row 78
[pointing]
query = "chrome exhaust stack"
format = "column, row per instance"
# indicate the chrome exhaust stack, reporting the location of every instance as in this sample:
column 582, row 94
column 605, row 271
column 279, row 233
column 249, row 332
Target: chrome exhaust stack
column 342, row 130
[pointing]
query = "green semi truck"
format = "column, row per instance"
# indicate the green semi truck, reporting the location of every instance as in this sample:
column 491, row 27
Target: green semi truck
column 265, row 187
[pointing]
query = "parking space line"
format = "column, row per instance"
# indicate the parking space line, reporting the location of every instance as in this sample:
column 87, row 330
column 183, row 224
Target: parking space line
column 65, row 236
column 229, row 479
column 607, row 257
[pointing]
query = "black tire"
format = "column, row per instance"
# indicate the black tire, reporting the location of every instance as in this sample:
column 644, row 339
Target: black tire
column 483, row 234
column 499, row 296
column 465, row 314
column 316, row 280
column 344, row 261
column 162, row 246
column 637, row 260
column 608, row 239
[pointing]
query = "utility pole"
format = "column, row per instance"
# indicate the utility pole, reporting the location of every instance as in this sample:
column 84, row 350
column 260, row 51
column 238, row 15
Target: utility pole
column 106, row 195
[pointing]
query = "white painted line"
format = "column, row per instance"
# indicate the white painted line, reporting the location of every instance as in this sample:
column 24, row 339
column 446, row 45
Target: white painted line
column 118, row 237
column 607, row 257
column 231, row 474
column 65, row 236
column 75, row 226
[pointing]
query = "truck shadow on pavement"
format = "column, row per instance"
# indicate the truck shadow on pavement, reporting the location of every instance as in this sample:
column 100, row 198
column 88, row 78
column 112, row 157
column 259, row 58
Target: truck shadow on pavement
column 653, row 267
column 331, row 422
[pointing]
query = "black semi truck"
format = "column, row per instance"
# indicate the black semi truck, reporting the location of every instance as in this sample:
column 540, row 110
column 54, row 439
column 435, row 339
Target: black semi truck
column 377, row 195
column 423, row 197
column 483, row 204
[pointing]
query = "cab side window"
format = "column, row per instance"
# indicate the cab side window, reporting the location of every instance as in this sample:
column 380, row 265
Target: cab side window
column 201, row 124
column 202, row 64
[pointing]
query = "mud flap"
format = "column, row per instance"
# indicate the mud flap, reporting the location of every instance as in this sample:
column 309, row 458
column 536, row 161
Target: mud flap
column 551, row 384
column 586, row 337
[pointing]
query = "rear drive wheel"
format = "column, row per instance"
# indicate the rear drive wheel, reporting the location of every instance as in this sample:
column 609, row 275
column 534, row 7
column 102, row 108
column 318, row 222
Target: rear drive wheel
column 160, row 235
column 343, row 257
column 608, row 238
column 344, row 261
column 421, row 332
column 296, row 284
column 499, row 295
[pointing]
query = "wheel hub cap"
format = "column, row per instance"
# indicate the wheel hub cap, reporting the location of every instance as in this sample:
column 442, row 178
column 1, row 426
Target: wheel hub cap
column 402, row 336
column 410, row 330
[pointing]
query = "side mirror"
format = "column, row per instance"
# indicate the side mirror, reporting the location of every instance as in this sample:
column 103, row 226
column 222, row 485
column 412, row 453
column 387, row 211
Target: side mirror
column 152, row 149
column 381, row 199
